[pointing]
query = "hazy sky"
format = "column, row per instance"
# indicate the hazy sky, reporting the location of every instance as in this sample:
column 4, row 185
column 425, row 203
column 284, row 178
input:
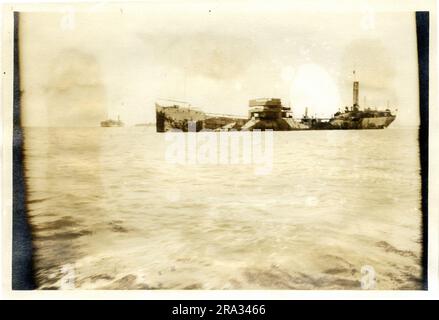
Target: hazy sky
column 79, row 67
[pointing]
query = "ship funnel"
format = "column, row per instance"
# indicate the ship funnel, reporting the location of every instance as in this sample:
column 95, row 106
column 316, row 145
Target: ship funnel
column 356, row 92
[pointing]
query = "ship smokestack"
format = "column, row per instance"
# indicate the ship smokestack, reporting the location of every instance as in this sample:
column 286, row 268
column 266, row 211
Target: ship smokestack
column 356, row 92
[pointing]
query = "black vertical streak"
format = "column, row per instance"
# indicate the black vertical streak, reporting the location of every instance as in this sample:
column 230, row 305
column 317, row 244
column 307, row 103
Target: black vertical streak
column 22, row 267
column 422, row 32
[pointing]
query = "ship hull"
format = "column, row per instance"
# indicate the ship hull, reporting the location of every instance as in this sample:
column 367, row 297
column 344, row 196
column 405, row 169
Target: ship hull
column 362, row 123
column 111, row 123
column 110, row 126
column 185, row 119
column 178, row 118
column 169, row 123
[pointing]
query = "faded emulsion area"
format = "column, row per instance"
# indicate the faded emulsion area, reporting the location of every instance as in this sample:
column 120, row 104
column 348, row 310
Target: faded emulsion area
column 98, row 206
column 74, row 79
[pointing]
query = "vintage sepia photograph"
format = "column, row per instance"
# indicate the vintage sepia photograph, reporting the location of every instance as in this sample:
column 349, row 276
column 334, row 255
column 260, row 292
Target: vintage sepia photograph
column 219, row 146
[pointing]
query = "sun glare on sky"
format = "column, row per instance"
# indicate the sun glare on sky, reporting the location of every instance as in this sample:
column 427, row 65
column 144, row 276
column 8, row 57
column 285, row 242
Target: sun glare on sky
column 313, row 87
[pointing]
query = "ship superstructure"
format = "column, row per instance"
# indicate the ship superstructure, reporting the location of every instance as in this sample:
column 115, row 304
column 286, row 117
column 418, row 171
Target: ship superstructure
column 269, row 113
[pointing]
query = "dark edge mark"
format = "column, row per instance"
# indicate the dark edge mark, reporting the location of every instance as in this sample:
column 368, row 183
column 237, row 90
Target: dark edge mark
column 22, row 264
column 422, row 32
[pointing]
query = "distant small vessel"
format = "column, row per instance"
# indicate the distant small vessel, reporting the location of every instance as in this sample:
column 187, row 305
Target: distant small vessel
column 112, row 123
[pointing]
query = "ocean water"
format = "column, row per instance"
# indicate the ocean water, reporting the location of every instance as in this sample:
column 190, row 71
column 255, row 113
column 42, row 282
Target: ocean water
column 338, row 210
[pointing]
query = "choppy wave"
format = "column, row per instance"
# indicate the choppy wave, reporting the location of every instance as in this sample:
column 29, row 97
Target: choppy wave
column 113, row 215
